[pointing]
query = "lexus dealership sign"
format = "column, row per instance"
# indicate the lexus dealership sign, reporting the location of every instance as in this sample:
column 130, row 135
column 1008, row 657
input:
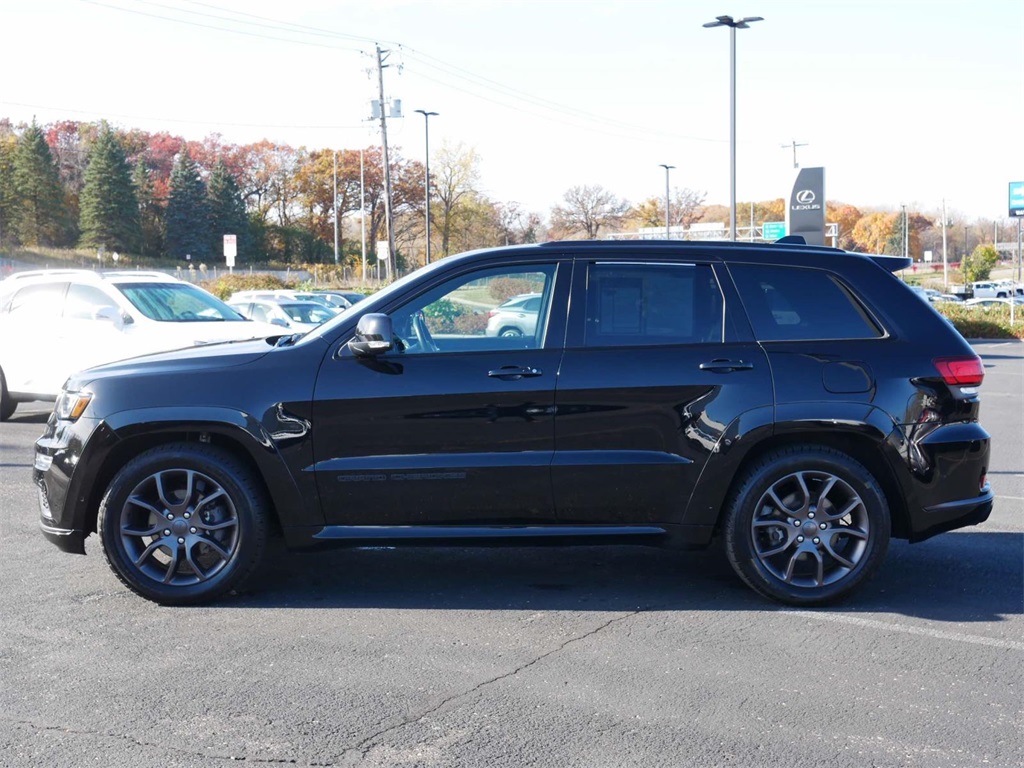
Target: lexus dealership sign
column 805, row 214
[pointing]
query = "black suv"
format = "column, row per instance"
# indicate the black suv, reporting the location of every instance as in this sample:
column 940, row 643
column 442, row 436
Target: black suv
column 801, row 402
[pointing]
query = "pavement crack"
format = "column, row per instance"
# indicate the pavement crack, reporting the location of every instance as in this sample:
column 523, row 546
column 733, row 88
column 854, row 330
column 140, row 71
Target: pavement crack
column 366, row 744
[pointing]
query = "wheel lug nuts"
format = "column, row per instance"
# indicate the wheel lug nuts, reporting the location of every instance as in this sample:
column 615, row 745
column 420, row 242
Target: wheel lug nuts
column 822, row 526
column 187, row 515
column 800, row 539
column 170, row 516
column 796, row 523
column 817, row 540
column 810, row 515
column 167, row 531
column 181, row 541
column 191, row 530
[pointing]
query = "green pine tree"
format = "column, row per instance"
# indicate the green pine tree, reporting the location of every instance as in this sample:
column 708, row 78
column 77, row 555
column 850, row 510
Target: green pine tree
column 227, row 211
column 187, row 218
column 150, row 211
column 109, row 207
column 42, row 215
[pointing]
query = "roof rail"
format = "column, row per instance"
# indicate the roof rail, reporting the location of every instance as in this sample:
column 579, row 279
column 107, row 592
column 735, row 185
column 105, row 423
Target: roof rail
column 790, row 240
column 40, row 272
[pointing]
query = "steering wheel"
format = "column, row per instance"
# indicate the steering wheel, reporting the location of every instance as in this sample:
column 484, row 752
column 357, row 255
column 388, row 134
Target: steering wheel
column 423, row 338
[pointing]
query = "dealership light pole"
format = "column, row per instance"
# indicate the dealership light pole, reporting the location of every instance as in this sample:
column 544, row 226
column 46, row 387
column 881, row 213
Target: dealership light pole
column 668, row 218
column 426, row 183
column 733, row 24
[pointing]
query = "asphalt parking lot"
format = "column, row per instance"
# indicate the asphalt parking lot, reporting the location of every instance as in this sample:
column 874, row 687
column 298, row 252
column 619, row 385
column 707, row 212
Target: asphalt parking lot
column 521, row 657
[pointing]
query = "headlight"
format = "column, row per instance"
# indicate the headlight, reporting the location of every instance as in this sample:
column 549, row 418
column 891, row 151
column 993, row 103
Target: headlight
column 71, row 405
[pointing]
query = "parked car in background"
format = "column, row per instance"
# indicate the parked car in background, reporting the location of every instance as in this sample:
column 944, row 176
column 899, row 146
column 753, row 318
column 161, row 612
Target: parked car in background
column 296, row 316
column 515, row 317
column 55, row 322
column 797, row 402
column 332, row 299
column 996, row 289
column 992, row 302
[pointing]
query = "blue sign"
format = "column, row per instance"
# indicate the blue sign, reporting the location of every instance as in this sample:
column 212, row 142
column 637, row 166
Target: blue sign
column 1017, row 198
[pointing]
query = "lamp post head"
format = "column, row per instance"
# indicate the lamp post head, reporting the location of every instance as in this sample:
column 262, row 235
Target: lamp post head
column 426, row 115
column 666, row 167
column 729, row 21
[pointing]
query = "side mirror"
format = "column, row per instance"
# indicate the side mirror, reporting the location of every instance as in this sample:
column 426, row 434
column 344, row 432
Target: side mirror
column 279, row 321
column 374, row 336
column 109, row 314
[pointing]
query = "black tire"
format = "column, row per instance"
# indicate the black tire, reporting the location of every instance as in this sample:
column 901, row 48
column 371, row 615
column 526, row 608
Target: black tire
column 510, row 332
column 806, row 525
column 7, row 405
column 183, row 524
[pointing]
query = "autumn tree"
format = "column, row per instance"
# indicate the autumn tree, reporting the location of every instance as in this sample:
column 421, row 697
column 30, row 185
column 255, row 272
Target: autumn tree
column 455, row 179
column 845, row 217
column 873, row 231
column 686, row 206
column 586, row 209
column 515, row 225
column 187, row 214
column 41, row 217
column 109, row 208
column 227, row 210
column 8, row 198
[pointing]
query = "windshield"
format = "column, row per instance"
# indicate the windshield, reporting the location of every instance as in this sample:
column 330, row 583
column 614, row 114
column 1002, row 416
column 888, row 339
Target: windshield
column 307, row 312
column 177, row 302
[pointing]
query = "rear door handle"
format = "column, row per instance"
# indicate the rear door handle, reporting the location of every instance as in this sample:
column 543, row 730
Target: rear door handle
column 726, row 366
column 514, row 372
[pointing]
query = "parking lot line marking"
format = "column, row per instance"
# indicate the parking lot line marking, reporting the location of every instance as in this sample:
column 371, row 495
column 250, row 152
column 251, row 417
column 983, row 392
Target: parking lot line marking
column 938, row 634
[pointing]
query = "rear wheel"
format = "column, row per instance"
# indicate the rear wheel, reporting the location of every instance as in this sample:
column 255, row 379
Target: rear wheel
column 806, row 525
column 510, row 332
column 183, row 524
column 7, row 405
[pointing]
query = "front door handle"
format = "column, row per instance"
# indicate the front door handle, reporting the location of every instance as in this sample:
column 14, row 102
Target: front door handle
column 726, row 366
column 514, row 372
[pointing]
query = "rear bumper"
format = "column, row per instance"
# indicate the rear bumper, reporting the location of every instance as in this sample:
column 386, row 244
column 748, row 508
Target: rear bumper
column 953, row 514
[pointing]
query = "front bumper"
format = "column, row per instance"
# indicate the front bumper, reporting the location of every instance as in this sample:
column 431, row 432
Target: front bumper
column 57, row 473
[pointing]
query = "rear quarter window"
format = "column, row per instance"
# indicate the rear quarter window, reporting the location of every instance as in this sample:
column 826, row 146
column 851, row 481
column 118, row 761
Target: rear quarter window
column 794, row 304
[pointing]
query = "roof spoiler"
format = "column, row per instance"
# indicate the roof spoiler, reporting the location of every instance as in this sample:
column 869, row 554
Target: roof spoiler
column 891, row 263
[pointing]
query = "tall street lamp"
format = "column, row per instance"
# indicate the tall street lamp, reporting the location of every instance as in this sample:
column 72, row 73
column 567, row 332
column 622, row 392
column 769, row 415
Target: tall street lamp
column 426, row 183
column 733, row 24
column 668, row 218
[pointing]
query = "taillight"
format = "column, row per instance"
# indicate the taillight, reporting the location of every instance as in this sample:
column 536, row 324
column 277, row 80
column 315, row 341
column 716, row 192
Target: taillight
column 961, row 371
column 492, row 313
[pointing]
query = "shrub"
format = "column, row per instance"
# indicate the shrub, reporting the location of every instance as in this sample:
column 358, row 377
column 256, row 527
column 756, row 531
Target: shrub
column 979, row 323
column 504, row 288
column 225, row 285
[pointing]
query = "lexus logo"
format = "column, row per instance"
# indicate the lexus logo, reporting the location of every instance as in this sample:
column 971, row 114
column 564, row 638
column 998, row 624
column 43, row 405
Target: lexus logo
column 805, row 197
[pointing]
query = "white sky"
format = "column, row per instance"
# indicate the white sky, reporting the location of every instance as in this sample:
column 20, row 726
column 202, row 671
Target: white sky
column 902, row 101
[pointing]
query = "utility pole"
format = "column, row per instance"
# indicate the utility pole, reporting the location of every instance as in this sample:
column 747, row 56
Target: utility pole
column 335, row 153
column 794, row 145
column 945, row 259
column 388, row 213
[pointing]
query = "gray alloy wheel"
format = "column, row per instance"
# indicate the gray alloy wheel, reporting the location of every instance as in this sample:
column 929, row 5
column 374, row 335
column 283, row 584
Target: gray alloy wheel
column 806, row 525
column 511, row 332
column 183, row 524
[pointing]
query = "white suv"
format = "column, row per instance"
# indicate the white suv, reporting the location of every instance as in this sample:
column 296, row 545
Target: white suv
column 56, row 322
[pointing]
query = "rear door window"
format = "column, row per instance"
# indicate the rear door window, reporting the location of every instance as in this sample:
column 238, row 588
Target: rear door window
column 798, row 304
column 651, row 304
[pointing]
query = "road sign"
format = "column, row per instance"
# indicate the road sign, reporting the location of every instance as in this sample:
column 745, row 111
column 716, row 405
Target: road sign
column 773, row 230
column 230, row 249
column 1017, row 198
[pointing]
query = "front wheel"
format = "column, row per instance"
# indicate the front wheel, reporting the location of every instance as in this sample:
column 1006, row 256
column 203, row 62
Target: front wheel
column 183, row 524
column 806, row 525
